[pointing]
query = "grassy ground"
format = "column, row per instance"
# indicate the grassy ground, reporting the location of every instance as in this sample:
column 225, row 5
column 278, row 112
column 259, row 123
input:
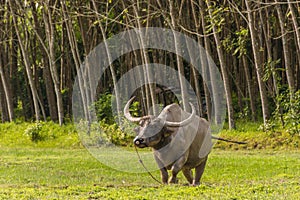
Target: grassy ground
column 44, row 173
column 60, row 168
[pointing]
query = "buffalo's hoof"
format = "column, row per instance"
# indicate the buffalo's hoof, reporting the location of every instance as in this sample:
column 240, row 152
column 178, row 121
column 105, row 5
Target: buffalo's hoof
column 196, row 184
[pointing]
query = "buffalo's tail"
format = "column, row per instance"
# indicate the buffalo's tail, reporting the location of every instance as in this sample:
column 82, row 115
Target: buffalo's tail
column 226, row 140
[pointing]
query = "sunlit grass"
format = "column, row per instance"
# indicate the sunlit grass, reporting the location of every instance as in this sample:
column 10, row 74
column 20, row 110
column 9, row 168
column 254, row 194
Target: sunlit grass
column 74, row 174
column 268, row 167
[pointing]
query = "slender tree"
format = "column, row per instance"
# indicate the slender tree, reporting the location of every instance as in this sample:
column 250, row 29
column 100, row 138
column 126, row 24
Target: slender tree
column 6, row 92
column 84, row 94
column 46, row 68
column 258, row 62
column 49, row 26
column 179, row 61
column 108, row 54
column 295, row 26
column 220, row 52
column 26, row 60
column 286, row 51
column 150, row 88
column 4, row 62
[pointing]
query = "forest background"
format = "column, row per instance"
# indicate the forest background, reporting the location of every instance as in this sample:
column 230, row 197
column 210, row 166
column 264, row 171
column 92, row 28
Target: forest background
column 255, row 44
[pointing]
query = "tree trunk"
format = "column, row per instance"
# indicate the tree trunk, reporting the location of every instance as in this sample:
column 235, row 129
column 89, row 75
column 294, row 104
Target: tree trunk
column 220, row 52
column 46, row 69
column 150, row 88
column 26, row 62
column 249, row 88
column 3, row 106
column 135, row 62
column 110, row 61
column 6, row 91
column 55, row 77
column 5, row 82
column 286, row 53
column 202, row 72
column 249, row 84
column 179, row 61
column 208, row 74
column 84, row 94
column 258, row 63
column 297, row 32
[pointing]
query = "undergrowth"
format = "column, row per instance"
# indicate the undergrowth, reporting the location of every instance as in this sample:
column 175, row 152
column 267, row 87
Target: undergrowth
column 39, row 134
column 256, row 138
column 49, row 134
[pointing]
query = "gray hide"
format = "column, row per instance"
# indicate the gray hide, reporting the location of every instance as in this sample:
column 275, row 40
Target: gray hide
column 175, row 148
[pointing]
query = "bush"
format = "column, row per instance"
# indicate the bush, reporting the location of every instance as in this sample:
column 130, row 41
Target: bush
column 288, row 112
column 34, row 132
column 117, row 136
column 103, row 108
column 103, row 134
column 292, row 117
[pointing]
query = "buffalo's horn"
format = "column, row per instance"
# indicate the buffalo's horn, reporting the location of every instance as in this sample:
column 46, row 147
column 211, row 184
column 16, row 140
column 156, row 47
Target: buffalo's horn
column 184, row 122
column 127, row 113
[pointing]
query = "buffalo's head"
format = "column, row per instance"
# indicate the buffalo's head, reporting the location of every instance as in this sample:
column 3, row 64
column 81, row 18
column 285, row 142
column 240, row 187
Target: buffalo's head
column 154, row 130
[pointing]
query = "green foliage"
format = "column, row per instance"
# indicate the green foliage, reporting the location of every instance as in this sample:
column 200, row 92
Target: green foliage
column 110, row 132
column 241, row 42
column 292, row 117
column 135, row 108
column 50, row 134
column 103, row 108
column 217, row 19
column 237, row 43
column 270, row 70
column 269, row 126
column 12, row 134
column 287, row 112
column 103, row 134
column 258, row 136
column 34, row 132
column 115, row 135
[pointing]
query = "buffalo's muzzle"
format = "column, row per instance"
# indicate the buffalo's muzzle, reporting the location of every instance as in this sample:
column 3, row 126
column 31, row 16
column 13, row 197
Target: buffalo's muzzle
column 140, row 142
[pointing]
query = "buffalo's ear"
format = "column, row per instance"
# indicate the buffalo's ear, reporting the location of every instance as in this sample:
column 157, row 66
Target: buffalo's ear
column 167, row 132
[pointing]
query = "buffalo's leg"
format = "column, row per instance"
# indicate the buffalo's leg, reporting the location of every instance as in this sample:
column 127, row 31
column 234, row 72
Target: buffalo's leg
column 188, row 174
column 164, row 175
column 199, row 172
column 173, row 178
column 177, row 166
column 163, row 170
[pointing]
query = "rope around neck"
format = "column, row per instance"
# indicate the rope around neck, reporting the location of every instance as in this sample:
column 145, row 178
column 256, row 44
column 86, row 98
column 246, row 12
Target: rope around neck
column 142, row 163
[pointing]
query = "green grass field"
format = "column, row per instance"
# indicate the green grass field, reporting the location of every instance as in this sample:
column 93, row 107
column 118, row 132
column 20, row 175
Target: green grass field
column 58, row 167
column 45, row 173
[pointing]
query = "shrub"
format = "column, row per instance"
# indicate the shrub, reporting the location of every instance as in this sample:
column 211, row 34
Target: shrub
column 100, row 133
column 117, row 136
column 288, row 111
column 103, row 108
column 34, row 132
column 292, row 117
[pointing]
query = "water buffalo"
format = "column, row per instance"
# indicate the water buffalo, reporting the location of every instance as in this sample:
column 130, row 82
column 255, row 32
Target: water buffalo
column 180, row 141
